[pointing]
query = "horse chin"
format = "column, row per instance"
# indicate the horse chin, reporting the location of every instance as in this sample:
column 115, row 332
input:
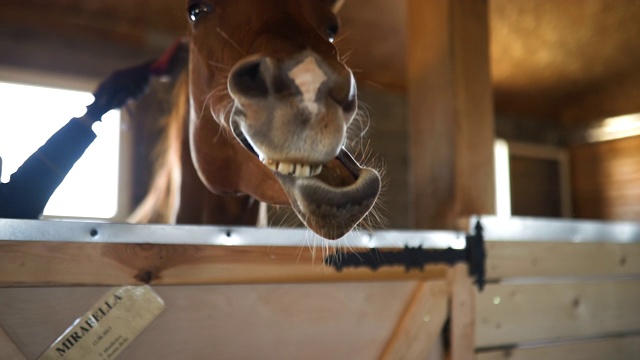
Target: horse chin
column 334, row 201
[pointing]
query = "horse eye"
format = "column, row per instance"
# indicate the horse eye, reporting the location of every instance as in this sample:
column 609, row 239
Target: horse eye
column 332, row 31
column 198, row 8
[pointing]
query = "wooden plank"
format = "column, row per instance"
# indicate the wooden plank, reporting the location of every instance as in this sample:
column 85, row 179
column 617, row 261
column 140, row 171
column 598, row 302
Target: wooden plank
column 8, row 349
column 34, row 318
column 261, row 321
column 512, row 314
column 451, row 122
column 58, row 263
column 463, row 314
column 610, row 348
column 548, row 259
column 419, row 327
column 437, row 351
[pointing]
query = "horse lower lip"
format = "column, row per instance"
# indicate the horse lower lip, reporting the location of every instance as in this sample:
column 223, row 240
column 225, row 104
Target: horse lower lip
column 329, row 210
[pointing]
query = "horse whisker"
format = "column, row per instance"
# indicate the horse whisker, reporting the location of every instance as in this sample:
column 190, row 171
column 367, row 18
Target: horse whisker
column 222, row 66
column 346, row 56
column 341, row 36
column 224, row 35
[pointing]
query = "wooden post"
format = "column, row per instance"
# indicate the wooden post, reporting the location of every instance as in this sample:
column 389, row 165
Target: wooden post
column 463, row 306
column 451, row 126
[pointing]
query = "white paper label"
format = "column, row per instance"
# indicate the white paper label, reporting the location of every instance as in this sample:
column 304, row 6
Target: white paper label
column 109, row 326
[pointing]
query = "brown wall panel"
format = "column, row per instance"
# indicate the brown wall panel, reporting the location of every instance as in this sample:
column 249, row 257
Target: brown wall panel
column 606, row 180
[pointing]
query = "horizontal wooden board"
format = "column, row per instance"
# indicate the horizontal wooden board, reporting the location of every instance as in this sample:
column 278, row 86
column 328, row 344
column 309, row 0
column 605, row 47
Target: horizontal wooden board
column 512, row 314
column 263, row 321
column 547, row 259
column 625, row 348
column 25, row 263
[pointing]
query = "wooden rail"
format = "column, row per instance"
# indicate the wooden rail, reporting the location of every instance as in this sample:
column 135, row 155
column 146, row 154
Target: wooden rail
column 559, row 300
column 221, row 298
column 88, row 264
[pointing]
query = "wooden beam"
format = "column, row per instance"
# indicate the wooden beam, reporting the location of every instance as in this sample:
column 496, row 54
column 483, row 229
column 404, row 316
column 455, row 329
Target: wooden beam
column 419, row 328
column 451, row 126
column 26, row 263
column 616, row 96
column 463, row 314
column 513, row 259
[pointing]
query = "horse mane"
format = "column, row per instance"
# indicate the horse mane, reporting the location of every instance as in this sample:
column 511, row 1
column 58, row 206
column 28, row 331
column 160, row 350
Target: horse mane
column 162, row 201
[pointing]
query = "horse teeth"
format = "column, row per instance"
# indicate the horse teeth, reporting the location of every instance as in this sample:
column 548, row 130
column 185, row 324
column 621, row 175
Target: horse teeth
column 295, row 169
column 286, row 168
column 272, row 165
column 303, row 170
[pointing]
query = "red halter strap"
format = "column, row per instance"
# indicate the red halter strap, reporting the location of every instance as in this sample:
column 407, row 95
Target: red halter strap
column 163, row 65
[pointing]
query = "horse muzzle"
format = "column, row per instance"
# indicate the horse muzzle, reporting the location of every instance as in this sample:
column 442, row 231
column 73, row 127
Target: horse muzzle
column 293, row 115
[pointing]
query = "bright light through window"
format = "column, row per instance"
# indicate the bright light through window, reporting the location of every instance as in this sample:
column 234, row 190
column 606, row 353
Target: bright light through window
column 29, row 115
column 502, row 178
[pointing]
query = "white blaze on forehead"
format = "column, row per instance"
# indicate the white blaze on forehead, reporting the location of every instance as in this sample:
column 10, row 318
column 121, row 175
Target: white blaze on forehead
column 308, row 77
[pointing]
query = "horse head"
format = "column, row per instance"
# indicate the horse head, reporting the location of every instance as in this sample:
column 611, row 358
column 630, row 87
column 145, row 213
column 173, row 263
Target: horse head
column 270, row 102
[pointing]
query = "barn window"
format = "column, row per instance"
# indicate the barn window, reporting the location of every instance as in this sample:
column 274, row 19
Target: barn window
column 29, row 115
column 531, row 180
column 503, row 186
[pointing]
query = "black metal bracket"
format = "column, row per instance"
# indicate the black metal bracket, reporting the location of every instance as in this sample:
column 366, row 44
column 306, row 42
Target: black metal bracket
column 417, row 257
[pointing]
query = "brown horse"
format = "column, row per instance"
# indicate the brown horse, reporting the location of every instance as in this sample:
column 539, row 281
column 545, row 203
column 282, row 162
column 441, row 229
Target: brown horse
column 269, row 101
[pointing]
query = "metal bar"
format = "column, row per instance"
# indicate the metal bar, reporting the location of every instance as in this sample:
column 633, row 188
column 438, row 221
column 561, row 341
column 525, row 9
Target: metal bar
column 418, row 257
column 92, row 232
column 556, row 230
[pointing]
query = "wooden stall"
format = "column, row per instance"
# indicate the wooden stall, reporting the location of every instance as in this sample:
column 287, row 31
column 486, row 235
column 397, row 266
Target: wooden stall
column 555, row 289
column 238, row 293
column 559, row 289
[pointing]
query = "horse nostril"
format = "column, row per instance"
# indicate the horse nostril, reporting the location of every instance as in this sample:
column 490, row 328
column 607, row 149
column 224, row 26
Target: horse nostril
column 249, row 79
column 345, row 95
column 349, row 105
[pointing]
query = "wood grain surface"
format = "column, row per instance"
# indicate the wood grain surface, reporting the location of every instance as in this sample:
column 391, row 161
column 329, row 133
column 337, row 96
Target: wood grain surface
column 24, row 263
